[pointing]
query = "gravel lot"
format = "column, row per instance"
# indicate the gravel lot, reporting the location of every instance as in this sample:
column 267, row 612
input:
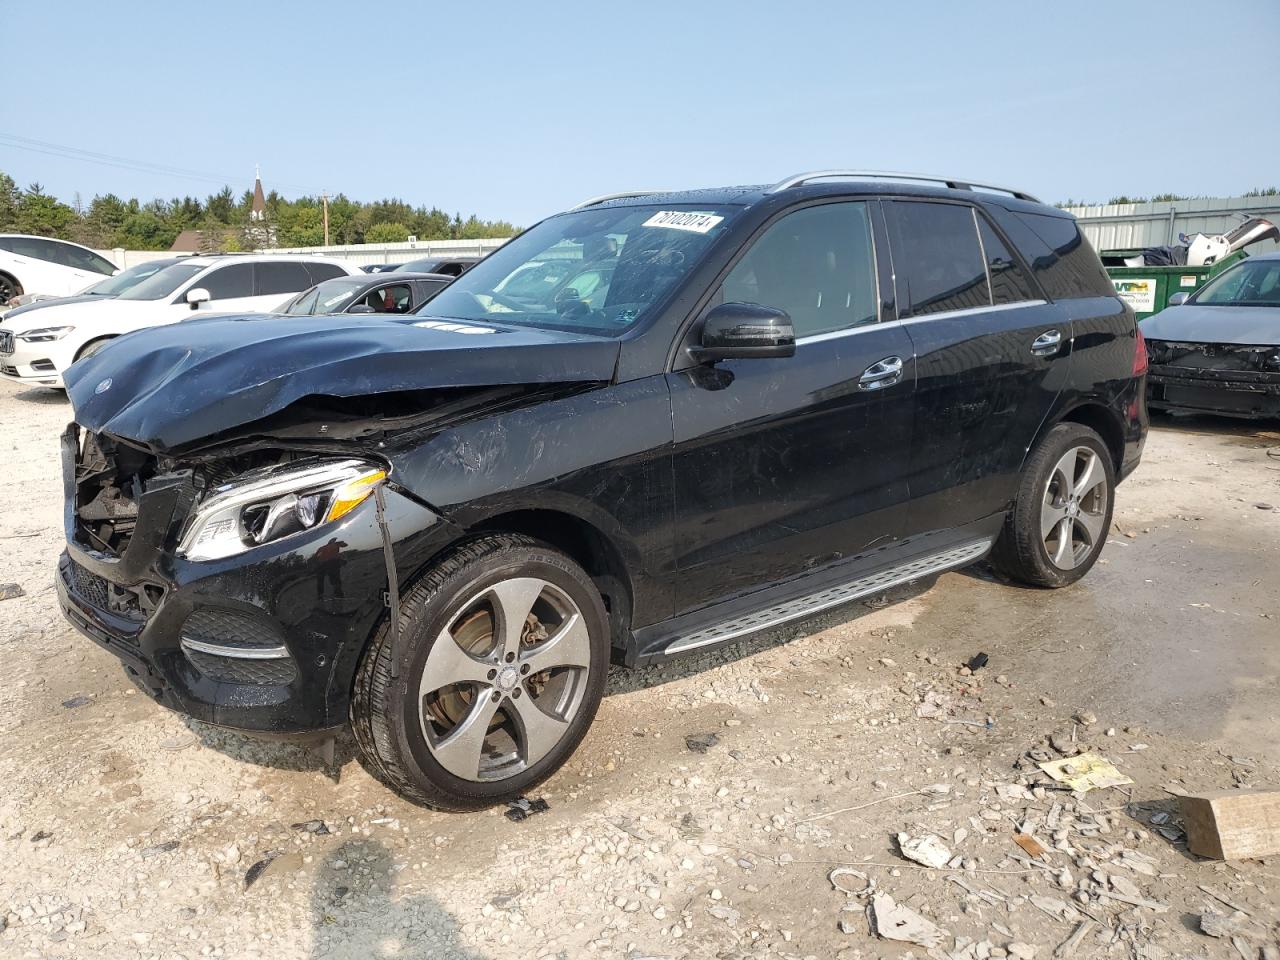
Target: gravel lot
column 126, row 831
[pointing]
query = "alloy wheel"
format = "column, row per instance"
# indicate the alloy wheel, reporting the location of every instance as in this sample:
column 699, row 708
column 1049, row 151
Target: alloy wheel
column 1074, row 511
column 504, row 680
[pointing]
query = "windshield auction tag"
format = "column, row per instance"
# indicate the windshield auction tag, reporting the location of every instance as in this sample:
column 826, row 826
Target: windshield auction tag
column 683, row 220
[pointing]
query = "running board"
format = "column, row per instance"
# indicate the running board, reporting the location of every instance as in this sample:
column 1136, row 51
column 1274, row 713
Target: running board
column 780, row 613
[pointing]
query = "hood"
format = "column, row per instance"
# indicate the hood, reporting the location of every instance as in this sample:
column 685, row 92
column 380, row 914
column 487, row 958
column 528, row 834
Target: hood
column 1192, row 323
column 45, row 319
column 169, row 386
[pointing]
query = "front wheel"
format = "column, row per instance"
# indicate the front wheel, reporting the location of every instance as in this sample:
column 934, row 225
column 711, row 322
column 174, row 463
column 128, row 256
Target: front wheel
column 1062, row 512
column 506, row 651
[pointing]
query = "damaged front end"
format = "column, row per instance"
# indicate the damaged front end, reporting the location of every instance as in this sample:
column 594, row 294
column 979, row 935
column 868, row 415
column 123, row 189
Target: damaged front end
column 1219, row 378
column 238, row 586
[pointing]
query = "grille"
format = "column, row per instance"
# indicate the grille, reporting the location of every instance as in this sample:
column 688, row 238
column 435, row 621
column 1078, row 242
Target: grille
column 228, row 628
column 9, row 369
column 234, row 670
column 90, row 586
column 6, row 341
column 254, row 650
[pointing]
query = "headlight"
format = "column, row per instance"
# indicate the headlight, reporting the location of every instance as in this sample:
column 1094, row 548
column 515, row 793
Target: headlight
column 45, row 334
column 271, row 504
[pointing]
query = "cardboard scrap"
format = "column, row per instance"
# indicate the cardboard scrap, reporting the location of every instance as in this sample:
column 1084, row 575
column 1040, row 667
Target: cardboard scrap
column 896, row 922
column 1030, row 844
column 1085, row 772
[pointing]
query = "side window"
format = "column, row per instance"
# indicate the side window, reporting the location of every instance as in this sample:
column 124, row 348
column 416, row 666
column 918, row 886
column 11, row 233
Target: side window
column 428, row 289
column 396, row 298
column 1060, row 257
column 281, row 277
column 818, row 264
column 85, row 260
column 1009, row 284
column 937, row 258
column 35, row 248
column 227, row 283
column 320, row 272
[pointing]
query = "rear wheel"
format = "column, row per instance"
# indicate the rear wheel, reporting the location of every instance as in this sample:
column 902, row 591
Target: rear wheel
column 506, row 653
column 1062, row 513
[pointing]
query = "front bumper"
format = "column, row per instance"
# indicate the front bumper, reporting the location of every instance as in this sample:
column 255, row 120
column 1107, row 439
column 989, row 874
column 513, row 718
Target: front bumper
column 26, row 363
column 319, row 595
column 1234, row 393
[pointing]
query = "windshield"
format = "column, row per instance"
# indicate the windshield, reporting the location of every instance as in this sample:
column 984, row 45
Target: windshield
column 162, row 282
column 332, row 296
column 122, row 281
column 597, row 271
column 1250, row 283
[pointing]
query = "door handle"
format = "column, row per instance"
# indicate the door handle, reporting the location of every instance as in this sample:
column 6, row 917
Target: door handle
column 881, row 374
column 1047, row 343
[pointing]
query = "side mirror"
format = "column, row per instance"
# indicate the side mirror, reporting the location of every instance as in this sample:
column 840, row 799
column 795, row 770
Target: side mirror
column 361, row 308
column 197, row 296
column 1179, row 298
column 745, row 330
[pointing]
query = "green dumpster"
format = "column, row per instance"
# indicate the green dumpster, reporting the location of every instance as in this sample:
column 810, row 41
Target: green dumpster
column 1148, row 289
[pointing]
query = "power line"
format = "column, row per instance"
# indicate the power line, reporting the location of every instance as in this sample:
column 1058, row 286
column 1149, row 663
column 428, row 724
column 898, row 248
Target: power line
column 105, row 159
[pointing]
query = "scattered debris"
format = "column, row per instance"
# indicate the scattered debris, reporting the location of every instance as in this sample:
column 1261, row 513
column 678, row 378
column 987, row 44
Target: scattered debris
column 892, row 921
column 522, row 808
column 275, row 863
column 1069, row 946
column 928, row 849
column 79, row 701
column 1085, row 772
column 1030, row 844
column 318, row 827
column 726, row 913
column 10, row 591
column 835, row 875
column 978, row 661
column 701, row 742
column 1232, row 824
column 155, row 851
column 1225, row 927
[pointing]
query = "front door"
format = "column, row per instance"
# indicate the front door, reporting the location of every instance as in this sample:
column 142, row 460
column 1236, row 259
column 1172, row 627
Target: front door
column 785, row 465
column 991, row 358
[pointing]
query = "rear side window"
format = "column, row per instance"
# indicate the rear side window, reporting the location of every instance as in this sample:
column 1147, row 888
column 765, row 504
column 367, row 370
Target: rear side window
column 937, row 258
column 320, row 272
column 1060, row 257
column 278, row 278
column 817, row 264
column 1009, row 284
column 226, row 283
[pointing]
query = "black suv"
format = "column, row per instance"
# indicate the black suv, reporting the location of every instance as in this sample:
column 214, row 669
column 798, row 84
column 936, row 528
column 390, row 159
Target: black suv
column 695, row 416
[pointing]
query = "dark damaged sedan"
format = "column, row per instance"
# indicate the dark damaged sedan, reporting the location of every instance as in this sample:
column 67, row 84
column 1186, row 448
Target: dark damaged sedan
column 1219, row 351
column 725, row 410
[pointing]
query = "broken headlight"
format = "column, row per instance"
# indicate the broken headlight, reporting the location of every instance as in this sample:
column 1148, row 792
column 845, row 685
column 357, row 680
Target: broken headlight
column 268, row 505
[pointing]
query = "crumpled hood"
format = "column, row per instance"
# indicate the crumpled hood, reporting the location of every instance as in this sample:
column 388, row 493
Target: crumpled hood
column 1192, row 323
column 169, row 386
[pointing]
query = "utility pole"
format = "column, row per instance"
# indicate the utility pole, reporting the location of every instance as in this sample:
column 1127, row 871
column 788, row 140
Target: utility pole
column 325, row 198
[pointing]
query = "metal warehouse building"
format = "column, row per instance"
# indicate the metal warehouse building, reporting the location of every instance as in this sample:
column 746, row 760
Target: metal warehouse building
column 1119, row 226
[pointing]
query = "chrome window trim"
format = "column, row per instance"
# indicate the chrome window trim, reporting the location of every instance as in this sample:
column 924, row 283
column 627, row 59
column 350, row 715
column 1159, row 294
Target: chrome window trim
column 943, row 315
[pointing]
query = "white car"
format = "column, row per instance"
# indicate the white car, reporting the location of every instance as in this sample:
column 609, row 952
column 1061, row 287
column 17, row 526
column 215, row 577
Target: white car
column 53, row 267
column 37, row 346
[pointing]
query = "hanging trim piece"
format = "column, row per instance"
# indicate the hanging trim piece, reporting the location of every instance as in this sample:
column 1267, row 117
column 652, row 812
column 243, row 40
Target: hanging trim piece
column 393, row 580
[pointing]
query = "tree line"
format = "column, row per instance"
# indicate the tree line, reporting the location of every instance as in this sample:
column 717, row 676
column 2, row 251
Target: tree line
column 108, row 221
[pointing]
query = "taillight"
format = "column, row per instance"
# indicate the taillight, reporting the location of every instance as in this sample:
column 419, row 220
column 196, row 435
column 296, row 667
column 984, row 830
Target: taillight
column 1139, row 353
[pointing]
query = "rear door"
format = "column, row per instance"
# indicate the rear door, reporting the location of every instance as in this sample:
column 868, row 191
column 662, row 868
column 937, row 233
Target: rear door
column 991, row 355
column 38, row 270
column 230, row 288
column 276, row 282
column 786, row 465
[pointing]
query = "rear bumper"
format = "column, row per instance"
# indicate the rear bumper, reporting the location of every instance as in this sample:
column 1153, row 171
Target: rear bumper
column 1224, row 392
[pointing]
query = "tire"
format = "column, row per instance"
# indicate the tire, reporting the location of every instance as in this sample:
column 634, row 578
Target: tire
column 425, row 738
column 9, row 288
column 92, row 347
column 1032, row 548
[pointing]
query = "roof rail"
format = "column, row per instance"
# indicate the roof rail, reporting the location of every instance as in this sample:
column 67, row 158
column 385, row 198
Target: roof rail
column 606, row 197
column 955, row 183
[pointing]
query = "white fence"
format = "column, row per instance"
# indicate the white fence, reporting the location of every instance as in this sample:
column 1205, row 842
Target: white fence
column 1122, row 226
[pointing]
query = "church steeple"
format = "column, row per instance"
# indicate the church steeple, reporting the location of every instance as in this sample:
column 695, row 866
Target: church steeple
column 259, row 209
